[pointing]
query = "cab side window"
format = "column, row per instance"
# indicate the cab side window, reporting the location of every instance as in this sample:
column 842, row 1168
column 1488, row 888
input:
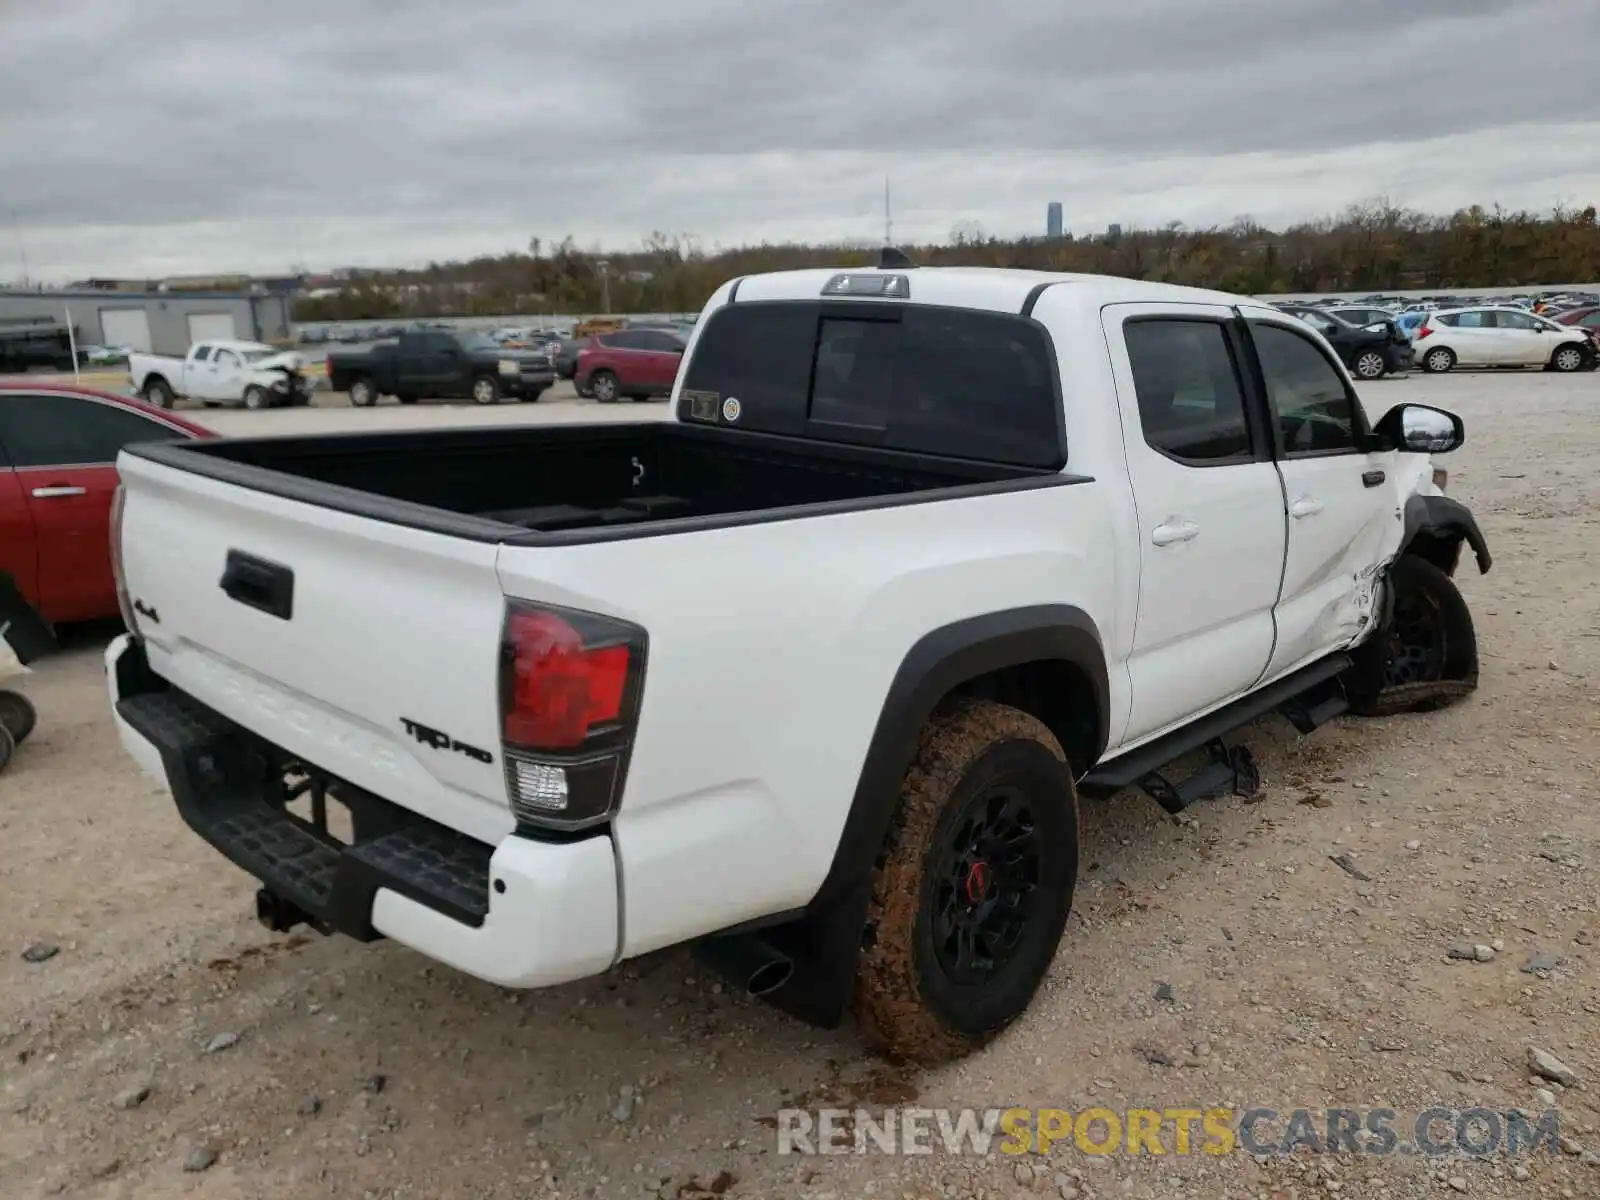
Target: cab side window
column 53, row 430
column 1312, row 404
column 1191, row 402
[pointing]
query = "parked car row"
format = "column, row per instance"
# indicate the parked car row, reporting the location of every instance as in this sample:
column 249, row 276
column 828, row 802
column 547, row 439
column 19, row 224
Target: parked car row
column 1374, row 341
column 1546, row 303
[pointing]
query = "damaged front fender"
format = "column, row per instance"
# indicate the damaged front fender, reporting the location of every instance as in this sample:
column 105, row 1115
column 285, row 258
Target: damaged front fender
column 1435, row 527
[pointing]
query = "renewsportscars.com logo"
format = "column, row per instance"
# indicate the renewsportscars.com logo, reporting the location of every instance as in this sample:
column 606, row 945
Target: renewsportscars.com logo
column 1178, row 1130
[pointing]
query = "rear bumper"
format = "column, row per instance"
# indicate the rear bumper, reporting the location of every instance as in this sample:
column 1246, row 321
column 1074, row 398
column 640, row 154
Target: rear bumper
column 1399, row 357
column 524, row 913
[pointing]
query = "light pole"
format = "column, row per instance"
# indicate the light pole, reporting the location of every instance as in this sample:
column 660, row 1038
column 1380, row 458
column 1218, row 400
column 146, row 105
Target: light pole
column 605, row 286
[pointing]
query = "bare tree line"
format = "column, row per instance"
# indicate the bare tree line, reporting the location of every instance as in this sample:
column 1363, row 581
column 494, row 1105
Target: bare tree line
column 1376, row 247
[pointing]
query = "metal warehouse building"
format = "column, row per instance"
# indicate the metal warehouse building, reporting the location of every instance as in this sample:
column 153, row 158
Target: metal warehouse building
column 153, row 322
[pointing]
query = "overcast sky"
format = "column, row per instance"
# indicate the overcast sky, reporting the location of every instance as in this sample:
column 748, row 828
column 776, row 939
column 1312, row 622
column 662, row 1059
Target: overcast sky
column 168, row 136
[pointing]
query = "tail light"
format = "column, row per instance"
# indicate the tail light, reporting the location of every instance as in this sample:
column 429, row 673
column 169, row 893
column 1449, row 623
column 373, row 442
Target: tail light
column 119, row 500
column 570, row 684
column 1424, row 330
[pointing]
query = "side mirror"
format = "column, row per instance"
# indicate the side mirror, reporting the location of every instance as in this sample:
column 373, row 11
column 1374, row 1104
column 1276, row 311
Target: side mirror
column 1421, row 429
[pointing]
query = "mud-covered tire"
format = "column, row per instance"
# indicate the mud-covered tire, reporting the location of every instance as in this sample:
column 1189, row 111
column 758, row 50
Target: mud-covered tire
column 910, row 1002
column 18, row 717
column 1427, row 658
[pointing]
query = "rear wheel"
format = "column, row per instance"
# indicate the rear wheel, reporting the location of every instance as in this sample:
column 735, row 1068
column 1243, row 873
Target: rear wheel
column 17, row 716
column 605, row 387
column 1567, row 358
column 157, row 392
column 1438, row 361
column 8, row 747
column 362, row 393
column 972, row 887
column 1369, row 364
column 1427, row 656
column 486, row 390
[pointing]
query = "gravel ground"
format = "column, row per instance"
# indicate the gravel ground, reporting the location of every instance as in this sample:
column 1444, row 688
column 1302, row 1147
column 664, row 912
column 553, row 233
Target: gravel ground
column 169, row 1047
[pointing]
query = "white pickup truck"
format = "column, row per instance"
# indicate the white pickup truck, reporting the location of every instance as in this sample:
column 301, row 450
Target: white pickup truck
column 810, row 675
column 224, row 372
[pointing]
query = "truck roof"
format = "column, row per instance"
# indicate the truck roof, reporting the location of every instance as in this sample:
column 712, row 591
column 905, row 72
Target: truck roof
column 1001, row 289
column 233, row 344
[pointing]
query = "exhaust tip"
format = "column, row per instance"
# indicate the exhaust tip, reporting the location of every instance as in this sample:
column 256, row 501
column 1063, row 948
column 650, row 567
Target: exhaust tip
column 747, row 961
column 769, row 977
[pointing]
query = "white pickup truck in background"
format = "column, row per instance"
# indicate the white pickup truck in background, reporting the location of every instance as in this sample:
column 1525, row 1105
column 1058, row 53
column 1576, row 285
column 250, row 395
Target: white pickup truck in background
column 810, row 675
column 222, row 372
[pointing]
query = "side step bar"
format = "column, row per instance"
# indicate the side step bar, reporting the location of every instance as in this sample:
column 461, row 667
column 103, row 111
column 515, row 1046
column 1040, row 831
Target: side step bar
column 1310, row 697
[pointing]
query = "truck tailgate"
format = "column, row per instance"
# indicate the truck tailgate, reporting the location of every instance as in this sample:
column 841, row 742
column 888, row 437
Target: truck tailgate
column 325, row 633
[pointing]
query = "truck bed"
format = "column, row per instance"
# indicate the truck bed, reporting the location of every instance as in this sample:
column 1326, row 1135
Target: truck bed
column 536, row 485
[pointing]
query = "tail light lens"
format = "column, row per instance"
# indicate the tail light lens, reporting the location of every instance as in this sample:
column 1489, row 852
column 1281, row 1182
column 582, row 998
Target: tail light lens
column 1424, row 330
column 570, row 685
column 119, row 501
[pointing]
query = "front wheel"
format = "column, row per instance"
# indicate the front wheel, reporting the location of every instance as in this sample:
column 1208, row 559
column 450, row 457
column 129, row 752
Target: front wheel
column 605, row 387
column 973, row 885
column 1370, row 365
column 486, row 390
column 255, row 398
column 1427, row 656
column 1567, row 358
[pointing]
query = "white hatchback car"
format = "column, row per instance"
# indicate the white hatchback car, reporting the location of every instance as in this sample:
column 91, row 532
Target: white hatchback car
column 1498, row 337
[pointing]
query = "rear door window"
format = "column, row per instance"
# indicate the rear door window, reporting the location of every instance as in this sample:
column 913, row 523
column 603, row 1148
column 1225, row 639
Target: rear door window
column 952, row 382
column 52, row 429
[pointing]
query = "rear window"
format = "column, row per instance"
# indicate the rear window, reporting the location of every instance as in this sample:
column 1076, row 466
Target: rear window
column 953, row 382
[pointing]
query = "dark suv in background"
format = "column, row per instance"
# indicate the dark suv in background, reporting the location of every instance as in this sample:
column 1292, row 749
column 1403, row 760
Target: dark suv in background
column 1371, row 351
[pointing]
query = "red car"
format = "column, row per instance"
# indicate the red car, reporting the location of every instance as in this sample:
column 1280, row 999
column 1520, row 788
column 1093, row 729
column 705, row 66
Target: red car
column 58, row 451
column 640, row 363
column 1586, row 319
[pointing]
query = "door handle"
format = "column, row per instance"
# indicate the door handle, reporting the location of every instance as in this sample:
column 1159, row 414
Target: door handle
column 1306, row 506
column 1169, row 532
column 1372, row 478
column 55, row 493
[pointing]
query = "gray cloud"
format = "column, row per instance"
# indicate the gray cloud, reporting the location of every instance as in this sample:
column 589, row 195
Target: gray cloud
column 186, row 131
